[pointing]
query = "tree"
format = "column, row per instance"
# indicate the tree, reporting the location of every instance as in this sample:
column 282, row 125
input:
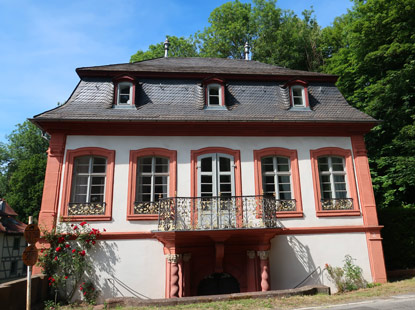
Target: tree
column 179, row 47
column 22, row 169
column 376, row 68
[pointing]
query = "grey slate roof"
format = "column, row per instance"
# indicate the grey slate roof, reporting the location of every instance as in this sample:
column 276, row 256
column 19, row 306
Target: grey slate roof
column 201, row 65
column 183, row 99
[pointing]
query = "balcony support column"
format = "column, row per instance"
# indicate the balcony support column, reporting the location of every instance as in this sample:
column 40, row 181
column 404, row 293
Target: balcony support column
column 173, row 260
column 250, row 272
column 264, row 267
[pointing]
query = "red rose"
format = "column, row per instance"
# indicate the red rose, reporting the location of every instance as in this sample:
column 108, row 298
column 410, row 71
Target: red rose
column 67, row 245
column 93, row 241
column 50, row 278
column 82, row 224
column 61, row 239
column 46, row 254
column 56, row 258
column 41, row 251
column 53, row 280
column 75, row 227
column 66, row 277
column 82, row 253
column 84, row 293
column 104, row 229
column 58, row 249
column 74, row 250
column 81, row 288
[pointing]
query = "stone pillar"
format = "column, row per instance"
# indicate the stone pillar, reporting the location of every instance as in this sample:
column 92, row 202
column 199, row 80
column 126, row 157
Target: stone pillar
column 173, row 260
column 186, row 276
column 250, row 272
column 264, row 267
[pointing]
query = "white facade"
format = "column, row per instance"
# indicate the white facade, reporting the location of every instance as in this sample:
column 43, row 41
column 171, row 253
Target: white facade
column 138, row 267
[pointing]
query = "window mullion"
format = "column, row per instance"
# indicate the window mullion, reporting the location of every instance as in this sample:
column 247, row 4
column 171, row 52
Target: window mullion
column 88, row 188
column 276, row 185
column 333, row 192
column 153, row 159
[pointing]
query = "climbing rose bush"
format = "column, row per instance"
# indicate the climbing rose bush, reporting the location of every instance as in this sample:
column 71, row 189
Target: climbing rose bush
column 66, row 260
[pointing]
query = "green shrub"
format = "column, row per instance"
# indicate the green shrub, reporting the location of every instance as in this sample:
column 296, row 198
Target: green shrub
column 349, row 277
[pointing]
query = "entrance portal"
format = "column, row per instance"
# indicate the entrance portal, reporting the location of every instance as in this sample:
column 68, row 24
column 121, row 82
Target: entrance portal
column 218, row 283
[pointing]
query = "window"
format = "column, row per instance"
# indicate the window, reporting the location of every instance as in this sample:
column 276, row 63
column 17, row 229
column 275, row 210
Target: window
column 13, row 268
column 88, row 184
column 297, row 96
column 334, row 182
column 125, row 93
column 16, row 243
column 215, row 94
column 277, row 175
column 152, row 176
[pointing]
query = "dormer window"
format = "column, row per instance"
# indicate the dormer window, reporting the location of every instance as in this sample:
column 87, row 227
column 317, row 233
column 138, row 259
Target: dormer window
column 124, row 91
column 298, row 94
column 215, row 94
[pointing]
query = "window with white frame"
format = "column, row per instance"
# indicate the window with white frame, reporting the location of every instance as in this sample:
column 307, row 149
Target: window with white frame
column 88, row 182
column 332, row 177
column 125, row 93
column 276, row 177
column 214, row 95
column 152, row 178
column 297, row 96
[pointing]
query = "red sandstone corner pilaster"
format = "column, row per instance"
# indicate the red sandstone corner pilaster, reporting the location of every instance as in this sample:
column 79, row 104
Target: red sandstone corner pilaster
column 173, row 260
column 368, row 207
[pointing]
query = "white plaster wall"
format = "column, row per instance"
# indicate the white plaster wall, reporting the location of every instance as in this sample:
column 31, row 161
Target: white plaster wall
column 184, row 145
column 129, row 268
column 294, row 257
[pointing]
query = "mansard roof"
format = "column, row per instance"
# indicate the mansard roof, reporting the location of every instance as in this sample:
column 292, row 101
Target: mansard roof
column 163, row 97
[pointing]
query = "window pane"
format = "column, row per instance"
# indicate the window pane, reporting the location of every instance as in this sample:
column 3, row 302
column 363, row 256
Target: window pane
column 267, row 164
column 225, row 179
column 206, row 164
column 284, row 179
column 337, row 167
column 285, row 195
column 214, row 91
column 144, row 164
column 297, row 91
column 298, row 101
column 225, row 187
column 341, row 195
column 224, row 164
column 337, row 160
column 326, row 195
column 124, row 99
column 338, row 178
column 284, row 187
column 269, row 179
column 97, row 189
column 97, row 198
column 340, row 186
column 213, row 100
column 162, row 165
column 269, row 188
column 206, row 179
column 206, row 188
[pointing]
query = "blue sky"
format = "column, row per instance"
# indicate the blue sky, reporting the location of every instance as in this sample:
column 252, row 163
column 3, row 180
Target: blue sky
column 43, row 42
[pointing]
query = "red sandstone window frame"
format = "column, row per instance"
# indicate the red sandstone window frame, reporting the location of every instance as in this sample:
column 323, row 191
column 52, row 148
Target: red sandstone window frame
column 123, row 79
column 295, row 176
column 68, row 176
column 194, row 154
column 351, row 181
column 304, row 85
column 132, row 178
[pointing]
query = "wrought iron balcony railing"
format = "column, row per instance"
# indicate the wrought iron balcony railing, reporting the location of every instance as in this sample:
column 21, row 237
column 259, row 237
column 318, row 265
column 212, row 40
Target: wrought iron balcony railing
column 91, row 208
column 209, row 213
column 337, row 204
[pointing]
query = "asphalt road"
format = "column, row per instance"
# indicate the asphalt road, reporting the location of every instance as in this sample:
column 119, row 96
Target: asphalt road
column 398, row 302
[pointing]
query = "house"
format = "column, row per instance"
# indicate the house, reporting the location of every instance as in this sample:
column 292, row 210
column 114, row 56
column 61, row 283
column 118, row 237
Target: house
column 12, row 244
column 212, row 176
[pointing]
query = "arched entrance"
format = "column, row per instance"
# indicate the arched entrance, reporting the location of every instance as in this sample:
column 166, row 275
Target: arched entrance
column 218, row 283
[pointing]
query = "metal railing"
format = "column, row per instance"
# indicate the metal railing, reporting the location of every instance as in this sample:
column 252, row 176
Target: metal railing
column 337, row 204
column 221, row 212
column 93, row 208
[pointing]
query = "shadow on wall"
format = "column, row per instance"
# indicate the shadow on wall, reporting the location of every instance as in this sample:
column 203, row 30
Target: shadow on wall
column 292, row 264
column 104, row 259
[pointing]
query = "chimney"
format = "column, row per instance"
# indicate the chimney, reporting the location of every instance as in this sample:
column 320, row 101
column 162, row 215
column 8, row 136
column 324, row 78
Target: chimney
column 166, row 47
column 247, row 47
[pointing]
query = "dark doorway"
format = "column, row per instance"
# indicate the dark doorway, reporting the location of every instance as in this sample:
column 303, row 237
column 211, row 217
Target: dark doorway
column 218, row 283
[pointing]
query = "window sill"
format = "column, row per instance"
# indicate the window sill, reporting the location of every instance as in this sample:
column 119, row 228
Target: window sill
column 217, row 108
column 300, row 109
column 78, row 218
column 331, row 213
column 289, row 214
column 142, row 217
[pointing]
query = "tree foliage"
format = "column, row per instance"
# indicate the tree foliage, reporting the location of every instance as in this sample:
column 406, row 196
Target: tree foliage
column 372, row 49
column 22, row 169
column 179, row 47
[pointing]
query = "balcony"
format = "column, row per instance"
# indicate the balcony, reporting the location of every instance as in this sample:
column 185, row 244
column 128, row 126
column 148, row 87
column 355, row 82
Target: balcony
column 220, row 213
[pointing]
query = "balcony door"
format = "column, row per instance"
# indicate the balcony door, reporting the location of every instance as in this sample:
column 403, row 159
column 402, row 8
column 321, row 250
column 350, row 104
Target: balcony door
column 216, row 186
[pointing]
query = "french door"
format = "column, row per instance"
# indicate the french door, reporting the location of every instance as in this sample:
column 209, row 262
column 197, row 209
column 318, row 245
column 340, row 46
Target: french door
column 216, row 186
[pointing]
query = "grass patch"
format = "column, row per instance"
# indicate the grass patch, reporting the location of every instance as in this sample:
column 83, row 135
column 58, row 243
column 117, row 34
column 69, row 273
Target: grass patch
column 287, row 303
